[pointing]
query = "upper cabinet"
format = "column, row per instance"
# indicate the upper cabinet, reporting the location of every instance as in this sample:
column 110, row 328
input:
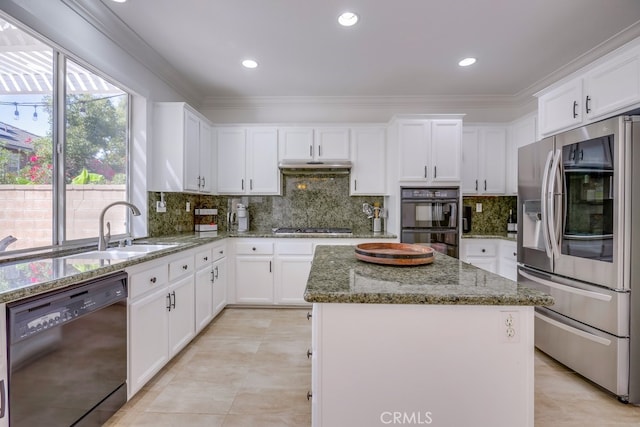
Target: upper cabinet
column 248, row 161
column 483, row 160
column 429, row 150
column 610, row 86
column 521, row 132
column 368, row 151
column 313, row 144
column 182, row 150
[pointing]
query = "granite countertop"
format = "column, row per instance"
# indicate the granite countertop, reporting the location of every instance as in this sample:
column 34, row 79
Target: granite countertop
column 43, row 271
column 337, row 276
column 499, row 235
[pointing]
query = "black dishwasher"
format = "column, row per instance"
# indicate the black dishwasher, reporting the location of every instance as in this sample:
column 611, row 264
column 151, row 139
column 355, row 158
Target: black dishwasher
column 68, row 354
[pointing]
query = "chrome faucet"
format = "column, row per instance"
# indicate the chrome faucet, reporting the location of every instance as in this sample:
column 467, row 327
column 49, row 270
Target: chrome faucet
column 4, row 243
column 103, row 240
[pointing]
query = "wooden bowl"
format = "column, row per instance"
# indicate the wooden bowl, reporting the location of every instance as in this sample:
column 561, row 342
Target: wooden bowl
column 402, row 254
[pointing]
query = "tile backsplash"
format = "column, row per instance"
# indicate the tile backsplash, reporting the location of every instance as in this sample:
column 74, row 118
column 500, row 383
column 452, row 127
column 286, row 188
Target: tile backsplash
column 494, row 215
column 306, row 201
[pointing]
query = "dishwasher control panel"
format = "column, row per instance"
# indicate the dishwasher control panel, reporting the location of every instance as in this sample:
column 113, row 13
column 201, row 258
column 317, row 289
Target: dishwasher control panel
column 40, row 313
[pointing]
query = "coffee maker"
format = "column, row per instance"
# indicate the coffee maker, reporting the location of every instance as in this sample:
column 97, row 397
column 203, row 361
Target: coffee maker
column 238, row 215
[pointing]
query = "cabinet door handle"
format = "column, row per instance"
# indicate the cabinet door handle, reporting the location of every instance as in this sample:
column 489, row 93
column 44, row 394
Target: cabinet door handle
column 425, row 171
column 309, row 395
column 575, row 109
column 185, row 267
column 319, row 150
column 435, row 172
column 586, row 104
column 199, row 182
column 169, row 302
column 173, row 294
column 311, row 151
column 242, row 184
column 213, row 277
column 476, row 185
column 355, row 185
column 269, row 266
column 515, row 254
column 251, row 184
column 485, row 185
column 221, row 252
column 153, row 279
column 206, row 258
column 203, row 182
column 216, row 269
column 309, row 353
column 309, row 315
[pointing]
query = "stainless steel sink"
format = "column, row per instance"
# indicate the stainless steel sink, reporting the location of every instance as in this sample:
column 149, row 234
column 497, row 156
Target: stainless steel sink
column 125, row 252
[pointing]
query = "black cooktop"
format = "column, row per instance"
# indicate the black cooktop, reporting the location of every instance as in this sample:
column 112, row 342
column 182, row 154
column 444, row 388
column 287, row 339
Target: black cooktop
column 312, row 230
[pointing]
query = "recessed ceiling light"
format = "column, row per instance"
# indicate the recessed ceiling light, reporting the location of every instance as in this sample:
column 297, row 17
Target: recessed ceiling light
column 347, row 19
column 249, row 63
column 466, row 62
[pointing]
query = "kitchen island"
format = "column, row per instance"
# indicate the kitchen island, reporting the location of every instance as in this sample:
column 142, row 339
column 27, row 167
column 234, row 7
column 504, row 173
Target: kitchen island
column 444, row 344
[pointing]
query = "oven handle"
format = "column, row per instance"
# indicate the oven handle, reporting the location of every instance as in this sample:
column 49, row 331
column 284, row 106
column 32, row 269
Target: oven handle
column 434, row 200
column 565, row 288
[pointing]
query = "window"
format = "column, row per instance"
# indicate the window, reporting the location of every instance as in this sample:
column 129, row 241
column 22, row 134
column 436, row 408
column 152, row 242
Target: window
column 63, row 146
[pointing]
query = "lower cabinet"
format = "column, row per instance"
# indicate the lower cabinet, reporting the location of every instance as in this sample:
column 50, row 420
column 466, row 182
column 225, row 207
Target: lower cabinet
column 494, row 255
column 254, row 272
column 211, row 283
column 161, row 314
column 293, row 264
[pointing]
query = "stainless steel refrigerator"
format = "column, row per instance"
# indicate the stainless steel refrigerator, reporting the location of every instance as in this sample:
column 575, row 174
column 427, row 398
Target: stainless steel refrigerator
column 579, row 242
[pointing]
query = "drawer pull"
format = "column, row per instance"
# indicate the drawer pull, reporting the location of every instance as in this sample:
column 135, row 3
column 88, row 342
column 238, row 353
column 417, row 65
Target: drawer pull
column 309, row 353
column 515, row 254
column 484, row 250
column 309, row 315
column 185, row 267
column 309, row 395
column 206, row 258
column 253, row 249
column 153, row 279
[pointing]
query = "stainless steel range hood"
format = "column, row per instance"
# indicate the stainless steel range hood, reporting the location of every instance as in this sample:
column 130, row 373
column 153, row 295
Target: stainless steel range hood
column 296, row 167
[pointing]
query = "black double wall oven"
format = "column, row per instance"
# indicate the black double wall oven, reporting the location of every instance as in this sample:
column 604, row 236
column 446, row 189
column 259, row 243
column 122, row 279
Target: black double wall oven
column 430, row 216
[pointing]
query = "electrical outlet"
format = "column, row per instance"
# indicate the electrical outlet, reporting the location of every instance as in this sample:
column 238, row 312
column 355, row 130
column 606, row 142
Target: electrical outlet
column 478, row 207
column 510, row 326
column 188, row 207
column 161, row 207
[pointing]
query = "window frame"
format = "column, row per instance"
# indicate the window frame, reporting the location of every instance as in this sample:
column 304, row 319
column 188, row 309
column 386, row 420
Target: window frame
column 60, row 57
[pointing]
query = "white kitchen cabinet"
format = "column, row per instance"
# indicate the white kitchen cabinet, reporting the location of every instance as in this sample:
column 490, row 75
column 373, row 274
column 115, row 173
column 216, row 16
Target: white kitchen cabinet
column 484, row 160
column 4, row 408
column 313, row 144
column 368, row 153
column 508, row 261
column 203, row 288
column 483, row 253
column 220, row 283
column 148, row 322
column 293, row 263
column 161, row 314
column 521, row 132
column 248, row 161
column 429, row 150
column 607, row 87
column 254, row 272
column 181, row 314
column 182, row 150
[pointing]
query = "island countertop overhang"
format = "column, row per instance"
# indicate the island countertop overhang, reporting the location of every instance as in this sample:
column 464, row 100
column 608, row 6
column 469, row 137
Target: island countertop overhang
column 337, row 276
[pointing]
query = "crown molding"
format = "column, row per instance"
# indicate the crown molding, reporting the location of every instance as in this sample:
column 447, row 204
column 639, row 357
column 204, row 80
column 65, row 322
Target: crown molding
column 106, row 22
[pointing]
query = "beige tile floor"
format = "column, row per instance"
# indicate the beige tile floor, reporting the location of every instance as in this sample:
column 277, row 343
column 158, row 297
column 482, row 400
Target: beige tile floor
column 248, row 368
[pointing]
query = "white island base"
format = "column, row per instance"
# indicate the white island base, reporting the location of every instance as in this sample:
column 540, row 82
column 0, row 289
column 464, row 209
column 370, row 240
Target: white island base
column 437, row 365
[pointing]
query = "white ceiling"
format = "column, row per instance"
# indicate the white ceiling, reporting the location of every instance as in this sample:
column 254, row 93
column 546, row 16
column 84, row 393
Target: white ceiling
column 399, row 47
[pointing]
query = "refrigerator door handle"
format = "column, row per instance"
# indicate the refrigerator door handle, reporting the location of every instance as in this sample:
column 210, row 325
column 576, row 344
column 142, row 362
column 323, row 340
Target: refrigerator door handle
column 543, row 205
column 552, row 225
column 565, row 288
